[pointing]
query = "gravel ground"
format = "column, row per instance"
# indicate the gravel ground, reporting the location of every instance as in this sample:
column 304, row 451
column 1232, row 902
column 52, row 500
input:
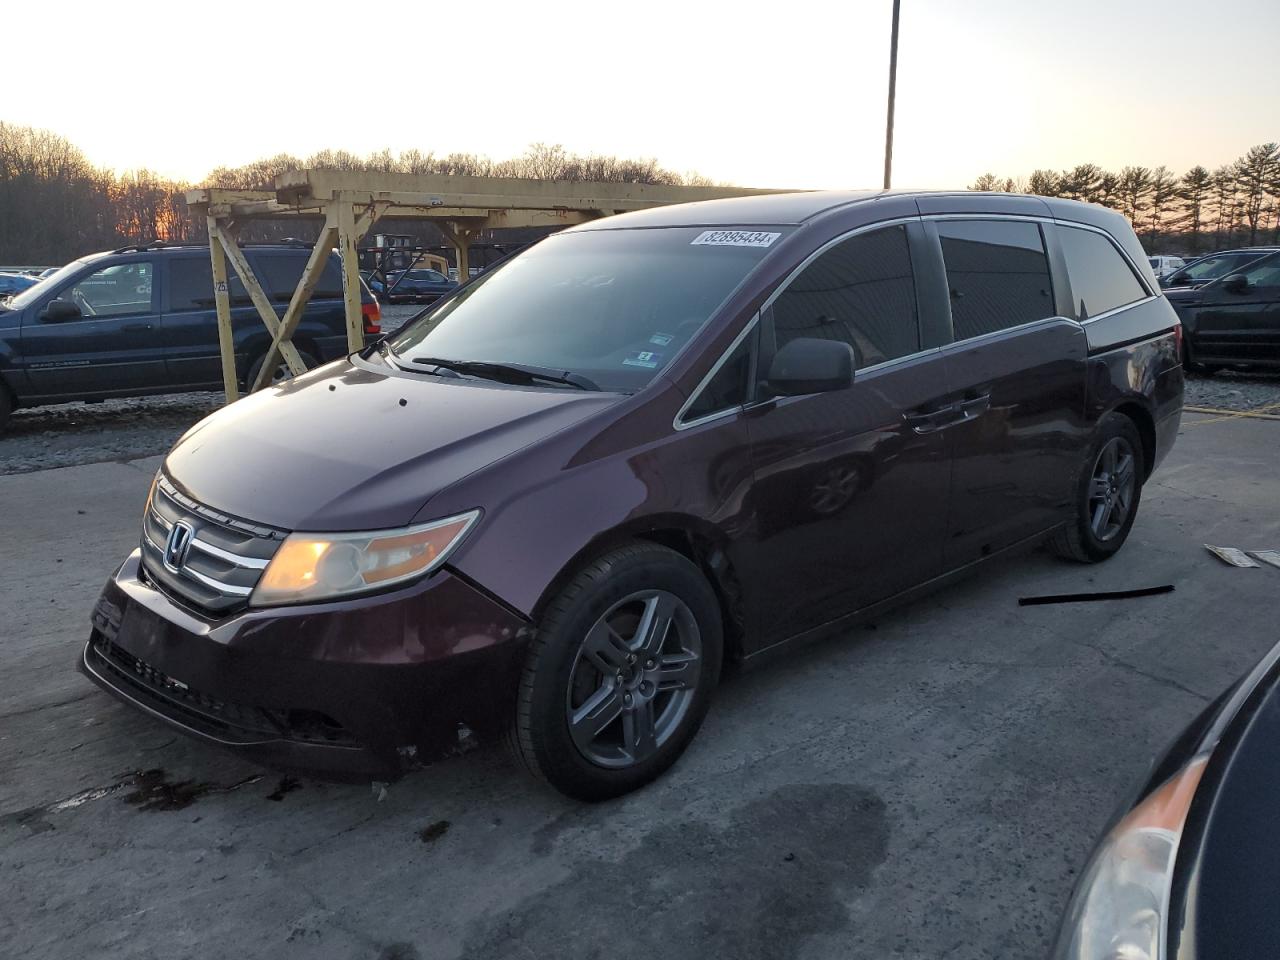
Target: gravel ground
column 1233, row 390
column 74, row 433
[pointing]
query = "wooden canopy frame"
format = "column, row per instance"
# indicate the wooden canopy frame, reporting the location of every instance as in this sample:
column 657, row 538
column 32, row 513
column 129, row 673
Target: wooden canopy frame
column 350, row 203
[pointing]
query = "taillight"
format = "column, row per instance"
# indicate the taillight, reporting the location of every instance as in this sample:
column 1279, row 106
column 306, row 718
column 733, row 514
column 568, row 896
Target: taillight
column 1177, row 339
column 372, row 314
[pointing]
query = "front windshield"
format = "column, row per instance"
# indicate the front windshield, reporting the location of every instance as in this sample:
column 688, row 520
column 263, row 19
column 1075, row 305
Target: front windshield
column 33, row 293
column 614, row 306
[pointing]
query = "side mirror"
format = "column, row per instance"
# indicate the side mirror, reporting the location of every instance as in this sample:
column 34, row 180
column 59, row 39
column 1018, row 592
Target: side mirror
column 1236, row 283
column 57, row 311
column 807, row 365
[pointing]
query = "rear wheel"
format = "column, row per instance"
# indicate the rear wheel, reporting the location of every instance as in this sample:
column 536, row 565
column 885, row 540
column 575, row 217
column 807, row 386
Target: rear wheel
column 620, row 673
column 6, row 406
column 1107, row 494
column 281, row 373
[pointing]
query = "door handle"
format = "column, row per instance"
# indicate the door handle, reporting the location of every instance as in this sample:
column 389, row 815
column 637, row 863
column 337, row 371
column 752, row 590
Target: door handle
column 927, row 421
column 136, row 327
column 974, row 407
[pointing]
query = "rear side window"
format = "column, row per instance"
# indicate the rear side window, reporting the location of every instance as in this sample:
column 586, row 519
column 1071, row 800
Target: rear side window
column 1101, row 278
column 191, row 284
column 279, row 275
column 998, row 275
column 860, row 291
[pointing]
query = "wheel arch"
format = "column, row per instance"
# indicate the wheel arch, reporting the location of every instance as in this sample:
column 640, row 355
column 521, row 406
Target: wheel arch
column 1146, row 424
column 698, row 541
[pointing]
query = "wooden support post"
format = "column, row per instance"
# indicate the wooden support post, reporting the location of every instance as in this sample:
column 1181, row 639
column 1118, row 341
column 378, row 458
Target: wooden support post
column 261, row 301
column 460, row 234
column 222, row 303
column 350, row 273
column 306, row 286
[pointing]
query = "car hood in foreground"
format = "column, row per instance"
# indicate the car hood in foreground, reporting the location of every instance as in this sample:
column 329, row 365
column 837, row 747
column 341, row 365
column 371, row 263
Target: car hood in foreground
column 348, row 447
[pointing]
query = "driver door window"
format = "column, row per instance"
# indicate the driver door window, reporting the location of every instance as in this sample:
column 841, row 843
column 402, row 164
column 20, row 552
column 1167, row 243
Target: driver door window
column 115, row 291
column 860, row 291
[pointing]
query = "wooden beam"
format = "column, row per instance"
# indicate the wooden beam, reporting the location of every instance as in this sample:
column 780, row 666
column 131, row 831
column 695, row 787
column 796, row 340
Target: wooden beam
column 222, row 304
column 350, row 272
column 460, row 234
column 260, row 299
column 304, row 185
column 301, row 295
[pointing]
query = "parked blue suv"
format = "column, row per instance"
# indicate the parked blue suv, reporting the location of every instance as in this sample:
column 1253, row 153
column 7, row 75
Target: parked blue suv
column 141, row 320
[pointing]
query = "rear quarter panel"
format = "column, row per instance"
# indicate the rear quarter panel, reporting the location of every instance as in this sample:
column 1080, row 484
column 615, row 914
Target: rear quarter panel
column 1133, row 360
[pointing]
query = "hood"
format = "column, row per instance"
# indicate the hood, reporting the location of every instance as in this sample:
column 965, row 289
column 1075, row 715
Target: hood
column 350, row 447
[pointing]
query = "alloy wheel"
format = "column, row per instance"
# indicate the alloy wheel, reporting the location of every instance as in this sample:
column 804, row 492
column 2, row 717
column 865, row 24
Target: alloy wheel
column 1111, row 488
column 634, row 679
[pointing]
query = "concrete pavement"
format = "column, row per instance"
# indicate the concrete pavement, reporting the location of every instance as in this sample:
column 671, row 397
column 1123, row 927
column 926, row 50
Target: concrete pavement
column 924, row 787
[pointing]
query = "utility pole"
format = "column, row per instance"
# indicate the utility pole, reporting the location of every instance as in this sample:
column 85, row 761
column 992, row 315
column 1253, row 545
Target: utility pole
column 893, row 84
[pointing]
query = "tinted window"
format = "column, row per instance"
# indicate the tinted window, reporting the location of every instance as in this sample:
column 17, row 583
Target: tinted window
column 191, row 285
column 860, row 291
column 1101, row 278
column 728, row 388
column 1264, row 273
column 279, row 274
column 613, row 306
column 1211, row 268
column 114, row 291
column 998, row 274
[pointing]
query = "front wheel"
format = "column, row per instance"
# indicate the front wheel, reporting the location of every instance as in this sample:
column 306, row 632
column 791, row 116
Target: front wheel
column 619, row 674
column 1107, row 494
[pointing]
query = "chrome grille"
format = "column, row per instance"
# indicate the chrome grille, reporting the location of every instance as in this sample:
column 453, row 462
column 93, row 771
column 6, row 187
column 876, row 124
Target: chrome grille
column 223, row 562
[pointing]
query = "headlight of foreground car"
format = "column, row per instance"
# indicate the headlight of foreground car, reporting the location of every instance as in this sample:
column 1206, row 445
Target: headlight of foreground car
column 321, row 566
column 1120, row 907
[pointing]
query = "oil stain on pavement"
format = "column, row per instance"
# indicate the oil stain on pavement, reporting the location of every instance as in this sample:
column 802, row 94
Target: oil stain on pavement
column 781, row 870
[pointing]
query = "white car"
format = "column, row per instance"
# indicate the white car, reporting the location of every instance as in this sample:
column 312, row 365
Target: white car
column 1163, row 266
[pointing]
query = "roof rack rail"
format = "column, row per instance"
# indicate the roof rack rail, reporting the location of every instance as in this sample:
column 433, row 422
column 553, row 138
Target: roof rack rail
column 142, row 247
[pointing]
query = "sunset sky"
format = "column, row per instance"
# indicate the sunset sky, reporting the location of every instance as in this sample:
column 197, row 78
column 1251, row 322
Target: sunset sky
column 784, row 94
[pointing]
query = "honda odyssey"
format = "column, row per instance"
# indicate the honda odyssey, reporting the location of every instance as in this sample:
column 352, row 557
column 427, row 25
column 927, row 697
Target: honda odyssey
column 559, row 502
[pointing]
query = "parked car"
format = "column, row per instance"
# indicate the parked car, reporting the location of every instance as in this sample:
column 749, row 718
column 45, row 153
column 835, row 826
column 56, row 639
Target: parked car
column 1214, row 265
column 1163, row 266
column 141, row 320
column 11, row 283
column 556, row 503
column 1191, row 866
column 1233, row 320
column 415, row 285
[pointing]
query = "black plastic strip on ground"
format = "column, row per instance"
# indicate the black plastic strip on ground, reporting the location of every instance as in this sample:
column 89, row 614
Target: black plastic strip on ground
column 1086, row 597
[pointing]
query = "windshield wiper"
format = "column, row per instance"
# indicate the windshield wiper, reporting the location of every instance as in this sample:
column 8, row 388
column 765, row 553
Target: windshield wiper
column 518, row 373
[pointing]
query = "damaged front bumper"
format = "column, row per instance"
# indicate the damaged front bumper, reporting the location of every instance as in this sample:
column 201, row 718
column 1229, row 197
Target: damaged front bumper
column 350, row 690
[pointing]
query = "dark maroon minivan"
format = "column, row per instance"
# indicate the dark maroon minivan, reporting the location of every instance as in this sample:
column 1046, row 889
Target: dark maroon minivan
column 556, row 505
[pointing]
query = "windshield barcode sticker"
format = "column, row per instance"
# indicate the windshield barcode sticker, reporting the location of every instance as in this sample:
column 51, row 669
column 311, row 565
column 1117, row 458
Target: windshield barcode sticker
column 734, row 238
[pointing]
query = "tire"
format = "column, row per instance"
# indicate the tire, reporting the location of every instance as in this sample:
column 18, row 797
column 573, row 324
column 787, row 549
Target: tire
column 1107, row 494
column 308, row 360
column 592, row 736
column 6, row 406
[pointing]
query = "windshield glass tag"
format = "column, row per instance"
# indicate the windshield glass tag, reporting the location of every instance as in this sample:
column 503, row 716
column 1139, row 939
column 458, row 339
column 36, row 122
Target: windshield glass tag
column 734, row 238
column 643, row 358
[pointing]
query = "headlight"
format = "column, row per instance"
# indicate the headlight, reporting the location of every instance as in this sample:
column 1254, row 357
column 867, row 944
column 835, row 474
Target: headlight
column 1120, row 908
column 320, row 566
column 151, row 495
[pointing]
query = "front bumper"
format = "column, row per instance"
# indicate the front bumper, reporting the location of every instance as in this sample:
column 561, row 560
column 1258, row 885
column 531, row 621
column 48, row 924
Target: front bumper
column 354, row 689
